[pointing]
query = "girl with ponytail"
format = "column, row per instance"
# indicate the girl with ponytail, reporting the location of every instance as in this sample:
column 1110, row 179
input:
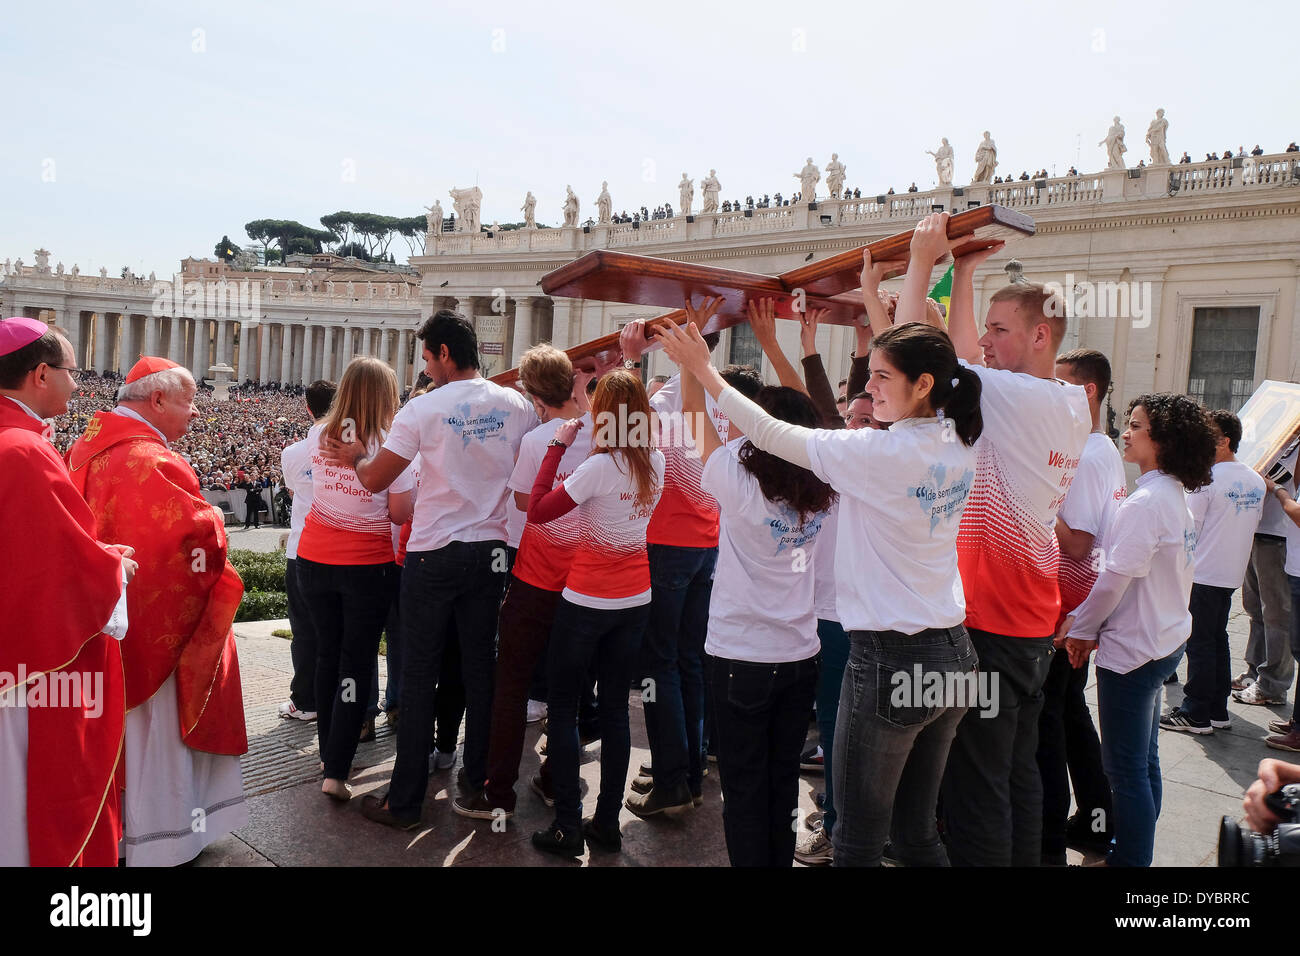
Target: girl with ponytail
column 898, row 592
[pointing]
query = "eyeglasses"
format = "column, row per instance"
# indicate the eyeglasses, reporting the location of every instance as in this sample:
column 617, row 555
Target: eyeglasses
column 76, row 373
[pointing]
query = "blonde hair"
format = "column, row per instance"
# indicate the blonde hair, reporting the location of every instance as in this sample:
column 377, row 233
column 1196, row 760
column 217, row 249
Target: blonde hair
column 1034, row 300
column 547, row 375
column 620, row 398
column 367, row 400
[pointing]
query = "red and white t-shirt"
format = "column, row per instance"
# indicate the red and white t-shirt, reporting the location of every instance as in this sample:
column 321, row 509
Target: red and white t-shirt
column 610, row 568
column 347, row 524
column 466, row 435
column 546, row 550
column 1095, row 494
column 687, row 516
column 1034, row 433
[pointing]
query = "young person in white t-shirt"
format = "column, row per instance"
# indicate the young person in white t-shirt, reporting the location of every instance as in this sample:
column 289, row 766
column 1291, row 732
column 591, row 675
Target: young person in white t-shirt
column 897, row 587
column 536, row 578
column 603, row 609
column 1226, row 513
column 295, row 465
column 1136, row 614
column 346, row 565
column 1069, row 750
column 1035, row 428
column 466, row 433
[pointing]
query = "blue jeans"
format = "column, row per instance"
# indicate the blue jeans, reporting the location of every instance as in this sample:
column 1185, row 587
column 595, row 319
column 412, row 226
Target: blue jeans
column 835, row 655
column 452, row 593
column 1129, row 708
column 892, row 742
column 1295, row 640
column 681, row 581
column 609, row 639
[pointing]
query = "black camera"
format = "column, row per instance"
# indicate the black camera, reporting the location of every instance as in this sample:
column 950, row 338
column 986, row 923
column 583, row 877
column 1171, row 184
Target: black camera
column 1243, row 847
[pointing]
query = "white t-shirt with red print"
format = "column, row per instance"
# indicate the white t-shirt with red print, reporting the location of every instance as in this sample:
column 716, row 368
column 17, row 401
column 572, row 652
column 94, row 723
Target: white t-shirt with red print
column 1034, row 433
column 347, row 524
column 687, row 516
column 1095, row 494
column 762, row 605
column 546, row 550
column 466, row 435
column 610, row 568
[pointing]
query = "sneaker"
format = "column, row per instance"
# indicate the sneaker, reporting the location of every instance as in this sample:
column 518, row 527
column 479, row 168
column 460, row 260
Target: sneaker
column 643, row 784
column 288, row 711
column 1281, row 727
column 1253, row 695
column 1289, row 741
column 888, row 857
column 1079, row 835
column 1242, row 681
column 812, row 760
column 438, row 760
column 659, row 800
column 372, row 808
column 367, row 731
column 336, row 789
column 1177, row 719
column 646, row 770
column 814, row 849
column 479, row 808
column 542, row 790
column 559, row 841
column 1223, row 724
column 600, row 838
column 536, row 711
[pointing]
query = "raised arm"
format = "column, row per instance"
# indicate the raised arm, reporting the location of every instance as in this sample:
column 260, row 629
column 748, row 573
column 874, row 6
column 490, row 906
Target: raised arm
column 814, row 372
column 873, row 273
column 762, row 319
column 961, row 310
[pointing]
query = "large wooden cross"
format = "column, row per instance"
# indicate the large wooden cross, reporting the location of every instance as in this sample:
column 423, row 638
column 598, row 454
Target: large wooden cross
column 830, row 284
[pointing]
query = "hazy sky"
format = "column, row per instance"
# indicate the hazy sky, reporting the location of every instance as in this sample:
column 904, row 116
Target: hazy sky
column 138, row 133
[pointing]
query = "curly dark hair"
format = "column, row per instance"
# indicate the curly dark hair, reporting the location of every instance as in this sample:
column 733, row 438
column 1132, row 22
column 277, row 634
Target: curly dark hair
column 1184, row 436
column 778, row 479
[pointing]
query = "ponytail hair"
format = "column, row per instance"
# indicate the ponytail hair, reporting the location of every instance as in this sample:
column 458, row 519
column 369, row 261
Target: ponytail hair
column 916, row 349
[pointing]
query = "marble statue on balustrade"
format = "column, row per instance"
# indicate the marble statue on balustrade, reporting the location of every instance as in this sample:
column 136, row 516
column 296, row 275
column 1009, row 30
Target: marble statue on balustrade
column 686, row 194
column 59, row 269
column 9, row 266
column 153, row 276
column 1114, row 143
column 808, row 178
column 433, row 218
column 529, row 209
column 835, row 175
column 267, row 287
column 42, row 262
column 1156, row 139
column 103, row 270
column 943, row 163
column 76, row 269
column 307, row 286
column 351, row 289
column 329, row 286
column 711, row 188
column 466, row 203
column 604, row 205
column 986, row 159
column 570, row 207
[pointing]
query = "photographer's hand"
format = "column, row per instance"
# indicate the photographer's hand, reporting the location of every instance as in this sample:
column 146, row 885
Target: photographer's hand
column 1273, row 775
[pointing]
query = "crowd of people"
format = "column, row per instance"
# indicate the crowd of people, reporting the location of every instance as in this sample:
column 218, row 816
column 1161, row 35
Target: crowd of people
column 927, row 560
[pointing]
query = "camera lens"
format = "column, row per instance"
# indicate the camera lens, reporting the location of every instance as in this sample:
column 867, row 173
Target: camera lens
column 1229, row 842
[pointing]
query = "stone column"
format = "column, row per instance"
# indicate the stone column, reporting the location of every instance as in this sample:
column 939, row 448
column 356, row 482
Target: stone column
column 347, row 346
column 400, row 360
column 560, row 323
column 365, row 342
column 176, row 343
column 245, row 350
column 221, row 343
column 327, row 361
column 199, row 348
column 305, row 366
column 286, row 351
column 384, row 340
column 523, row 329
column 100, row 325
column 151, row 332
column 264, row 362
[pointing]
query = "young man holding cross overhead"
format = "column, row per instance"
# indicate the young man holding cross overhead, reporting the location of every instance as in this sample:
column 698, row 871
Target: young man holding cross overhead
column 1035, row 428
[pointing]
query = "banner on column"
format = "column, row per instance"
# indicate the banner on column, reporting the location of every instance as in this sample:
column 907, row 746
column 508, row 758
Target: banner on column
column 491, row 332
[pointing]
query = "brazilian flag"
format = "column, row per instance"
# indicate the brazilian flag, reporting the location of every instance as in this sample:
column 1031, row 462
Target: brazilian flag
column 942, row 291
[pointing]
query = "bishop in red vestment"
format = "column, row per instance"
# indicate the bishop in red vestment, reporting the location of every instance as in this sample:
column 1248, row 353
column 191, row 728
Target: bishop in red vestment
column 185, row 712
column 61, row 690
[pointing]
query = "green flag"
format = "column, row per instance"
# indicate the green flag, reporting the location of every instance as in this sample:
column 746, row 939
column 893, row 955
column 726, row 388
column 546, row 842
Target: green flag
column 942, row 291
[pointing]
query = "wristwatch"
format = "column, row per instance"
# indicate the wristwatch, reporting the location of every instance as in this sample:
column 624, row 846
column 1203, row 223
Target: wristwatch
column 629, row 364
column 556, row 443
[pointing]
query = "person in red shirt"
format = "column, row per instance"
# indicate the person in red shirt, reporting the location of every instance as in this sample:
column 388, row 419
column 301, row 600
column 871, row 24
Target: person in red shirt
column 603, row 609
column 346, row 568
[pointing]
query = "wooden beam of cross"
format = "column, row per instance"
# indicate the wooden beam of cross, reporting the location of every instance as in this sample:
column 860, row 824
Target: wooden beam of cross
column 607, row 276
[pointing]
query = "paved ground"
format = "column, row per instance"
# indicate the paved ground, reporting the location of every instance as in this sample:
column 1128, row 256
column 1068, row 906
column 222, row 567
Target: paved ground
column 293, row 824
column 265, row 538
